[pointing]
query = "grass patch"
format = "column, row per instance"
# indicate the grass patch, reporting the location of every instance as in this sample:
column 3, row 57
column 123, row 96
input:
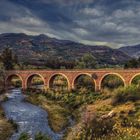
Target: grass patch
column 6, row 128
column 58, row 116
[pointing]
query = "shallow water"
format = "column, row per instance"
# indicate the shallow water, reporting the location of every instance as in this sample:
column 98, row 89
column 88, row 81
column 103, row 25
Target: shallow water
column 30, row 118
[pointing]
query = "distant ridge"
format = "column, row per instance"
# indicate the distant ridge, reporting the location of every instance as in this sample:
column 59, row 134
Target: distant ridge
column 133, row 51
column 38, row 48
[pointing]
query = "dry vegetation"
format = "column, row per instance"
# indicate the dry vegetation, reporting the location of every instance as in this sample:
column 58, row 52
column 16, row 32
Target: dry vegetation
column 6, row 126
column 106, row 117
column 103, row 120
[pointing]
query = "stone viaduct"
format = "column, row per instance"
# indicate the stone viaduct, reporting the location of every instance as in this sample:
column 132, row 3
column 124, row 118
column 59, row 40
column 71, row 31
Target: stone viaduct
column 71, row 75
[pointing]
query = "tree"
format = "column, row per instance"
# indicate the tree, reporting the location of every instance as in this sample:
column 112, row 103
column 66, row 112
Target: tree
column 80, row 65
column 133, row 63
column 9, row 60
column 15, row 59
column 87, row 61
column 138, row 62
column 2, row 78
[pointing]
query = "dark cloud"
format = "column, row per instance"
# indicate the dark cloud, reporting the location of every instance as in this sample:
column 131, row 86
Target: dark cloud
column 107, row 22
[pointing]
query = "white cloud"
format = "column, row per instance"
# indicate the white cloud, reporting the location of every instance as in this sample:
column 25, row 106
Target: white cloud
column 109, row 26
column 81, row 31
column 28, row 21
column 124, row 13
column 91, row 12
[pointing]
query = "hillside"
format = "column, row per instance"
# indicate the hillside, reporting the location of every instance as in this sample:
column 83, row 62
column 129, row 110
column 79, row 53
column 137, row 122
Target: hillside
column 38, row 49
column 133, row 51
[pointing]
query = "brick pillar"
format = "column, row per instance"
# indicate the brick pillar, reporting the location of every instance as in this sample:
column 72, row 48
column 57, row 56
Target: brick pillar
column 70, row 86
column 46, row 84
column 127, row 82
column 24, row 84
column 97, row 85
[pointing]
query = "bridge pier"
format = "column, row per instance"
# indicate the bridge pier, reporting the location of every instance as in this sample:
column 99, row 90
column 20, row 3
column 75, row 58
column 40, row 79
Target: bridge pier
column 97, row 88
column 24, row 86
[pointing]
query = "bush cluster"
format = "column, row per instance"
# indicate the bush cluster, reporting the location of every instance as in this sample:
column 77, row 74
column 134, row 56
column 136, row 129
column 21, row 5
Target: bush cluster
column 38, row 136
column 124, row 94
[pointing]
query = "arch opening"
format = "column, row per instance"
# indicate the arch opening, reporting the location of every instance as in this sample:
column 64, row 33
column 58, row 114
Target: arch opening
column 84, row 83
column 135, row 80
column 59, row 82
column 35, row 81
column 112, row 81
column 14, row 81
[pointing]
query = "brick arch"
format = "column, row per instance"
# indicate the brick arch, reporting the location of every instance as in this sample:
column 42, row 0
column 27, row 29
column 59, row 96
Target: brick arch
column 33, row 74
column 80, row 74
column 137, row 74
column 56, row 74
column 14, row 74
column 107, row 74
column 125, row 74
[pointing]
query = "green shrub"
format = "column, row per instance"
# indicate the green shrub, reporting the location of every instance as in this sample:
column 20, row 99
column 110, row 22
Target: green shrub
column 15, row 126
column 112, row 82
column 129, row 122
column 24, row 136
column 72, row 99
column 2, row 114
column 124, row 94
column 98, row 128
column 102, row 127
column 40, row 136
column 5, row 99
column 18, row 84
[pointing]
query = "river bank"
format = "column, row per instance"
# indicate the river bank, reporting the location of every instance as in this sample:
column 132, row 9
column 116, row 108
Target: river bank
column 60, row 117
column 6, row 127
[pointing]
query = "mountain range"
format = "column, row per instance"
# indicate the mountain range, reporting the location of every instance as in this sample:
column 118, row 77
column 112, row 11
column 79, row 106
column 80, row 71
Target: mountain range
column 133, row 51
column 37, row 49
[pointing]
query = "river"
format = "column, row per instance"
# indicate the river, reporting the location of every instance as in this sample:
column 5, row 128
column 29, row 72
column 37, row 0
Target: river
column 30, row 118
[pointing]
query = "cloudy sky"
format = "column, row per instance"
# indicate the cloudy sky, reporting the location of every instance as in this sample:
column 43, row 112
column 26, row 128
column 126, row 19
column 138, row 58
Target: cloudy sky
column 96, row 22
